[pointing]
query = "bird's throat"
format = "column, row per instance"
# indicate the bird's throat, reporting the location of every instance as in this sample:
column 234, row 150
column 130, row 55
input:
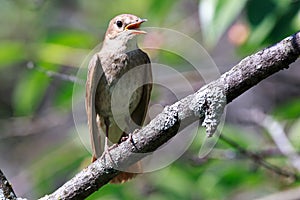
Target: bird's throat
column 113, row 56
column 119, row 45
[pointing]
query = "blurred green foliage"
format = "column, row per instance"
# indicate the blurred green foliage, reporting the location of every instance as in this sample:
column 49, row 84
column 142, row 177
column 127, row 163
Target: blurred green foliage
column 57, row 35
column 288, row 110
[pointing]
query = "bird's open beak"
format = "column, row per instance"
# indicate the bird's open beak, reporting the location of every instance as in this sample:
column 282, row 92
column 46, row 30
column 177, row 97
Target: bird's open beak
column 134, row 27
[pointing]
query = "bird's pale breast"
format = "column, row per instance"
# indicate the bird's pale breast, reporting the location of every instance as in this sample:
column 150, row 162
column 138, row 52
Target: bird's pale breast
column 124, row 88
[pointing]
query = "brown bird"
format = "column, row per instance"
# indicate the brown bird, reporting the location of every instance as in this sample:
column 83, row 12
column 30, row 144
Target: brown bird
column 111, row 77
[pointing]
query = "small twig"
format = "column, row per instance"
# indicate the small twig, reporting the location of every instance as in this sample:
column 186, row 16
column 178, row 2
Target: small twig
column 53, row 74
column 276, row 131
column 230, row 154
column 255, row 157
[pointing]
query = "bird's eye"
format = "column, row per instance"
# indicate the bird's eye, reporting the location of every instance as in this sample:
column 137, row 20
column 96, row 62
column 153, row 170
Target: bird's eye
column 119, row 23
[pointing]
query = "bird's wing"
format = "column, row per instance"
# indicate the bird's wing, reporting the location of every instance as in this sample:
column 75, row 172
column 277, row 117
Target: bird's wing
column 94, row 74
column 139, row 114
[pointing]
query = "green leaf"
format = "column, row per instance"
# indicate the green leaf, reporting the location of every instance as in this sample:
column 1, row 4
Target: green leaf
column 60, row 54
column 29, row 92
column 270, row 21
column 294, row 134
column 216, row 16
column 11, row 52
column 72, row 38
column 289, row 110
column 64, row 96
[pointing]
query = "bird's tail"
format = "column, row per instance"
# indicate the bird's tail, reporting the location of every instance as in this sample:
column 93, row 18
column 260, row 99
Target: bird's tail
column 126, row 176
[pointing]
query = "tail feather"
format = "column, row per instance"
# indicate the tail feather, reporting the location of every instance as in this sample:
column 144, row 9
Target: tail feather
column 126, row 176
column 123, row 177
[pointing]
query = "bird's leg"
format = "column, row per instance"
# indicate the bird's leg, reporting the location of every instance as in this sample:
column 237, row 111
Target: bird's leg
column 126, row 135
column 106, row 146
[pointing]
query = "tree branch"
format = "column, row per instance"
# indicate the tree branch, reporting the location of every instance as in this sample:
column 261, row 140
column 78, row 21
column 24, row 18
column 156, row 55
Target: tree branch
column 203, row 105
column 6, row 191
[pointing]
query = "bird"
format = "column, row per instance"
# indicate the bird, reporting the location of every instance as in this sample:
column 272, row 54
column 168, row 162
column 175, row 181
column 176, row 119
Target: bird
column 116, row 61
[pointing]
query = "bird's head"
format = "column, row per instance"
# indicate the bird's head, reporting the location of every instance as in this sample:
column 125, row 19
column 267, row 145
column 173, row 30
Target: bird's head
column 125, row 25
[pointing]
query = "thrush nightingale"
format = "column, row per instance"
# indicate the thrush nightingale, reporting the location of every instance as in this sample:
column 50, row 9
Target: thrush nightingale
column 117, row 57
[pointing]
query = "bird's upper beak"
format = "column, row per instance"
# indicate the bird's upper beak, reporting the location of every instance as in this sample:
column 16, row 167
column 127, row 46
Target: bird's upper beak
column 134, row 27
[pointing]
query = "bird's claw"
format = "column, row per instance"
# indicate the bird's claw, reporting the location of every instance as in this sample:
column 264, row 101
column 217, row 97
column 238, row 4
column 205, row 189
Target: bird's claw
column 106, row 152
column 107, row 148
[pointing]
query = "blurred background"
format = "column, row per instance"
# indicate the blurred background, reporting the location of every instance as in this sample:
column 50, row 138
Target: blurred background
column 42, row 45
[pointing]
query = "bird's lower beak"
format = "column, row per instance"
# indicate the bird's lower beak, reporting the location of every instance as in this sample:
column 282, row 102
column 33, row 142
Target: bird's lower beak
column 134, row 27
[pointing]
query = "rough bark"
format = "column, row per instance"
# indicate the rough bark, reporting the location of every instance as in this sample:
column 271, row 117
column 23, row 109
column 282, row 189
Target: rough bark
column 6, row 191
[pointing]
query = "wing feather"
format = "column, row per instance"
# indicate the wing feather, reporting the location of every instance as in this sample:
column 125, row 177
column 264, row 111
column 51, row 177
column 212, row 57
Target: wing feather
column 139, row 114
column 94, row 74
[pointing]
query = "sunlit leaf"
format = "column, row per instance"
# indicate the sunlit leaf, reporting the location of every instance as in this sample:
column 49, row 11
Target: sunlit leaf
column 267, row 20
column 11, row 52
column 60, row 54
column 216, row 16
column 71, row 38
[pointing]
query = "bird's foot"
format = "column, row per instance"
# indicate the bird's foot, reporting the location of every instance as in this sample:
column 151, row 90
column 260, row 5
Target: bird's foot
column 106, row 152
column 113, row 146
column 123, row 138
column 130, row 137
column 107, row 148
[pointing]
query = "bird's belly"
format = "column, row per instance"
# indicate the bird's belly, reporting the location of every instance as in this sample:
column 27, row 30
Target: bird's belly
column 120, row 98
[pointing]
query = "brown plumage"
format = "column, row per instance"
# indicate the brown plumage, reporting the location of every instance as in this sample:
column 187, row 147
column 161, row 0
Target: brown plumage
column 119, row 60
